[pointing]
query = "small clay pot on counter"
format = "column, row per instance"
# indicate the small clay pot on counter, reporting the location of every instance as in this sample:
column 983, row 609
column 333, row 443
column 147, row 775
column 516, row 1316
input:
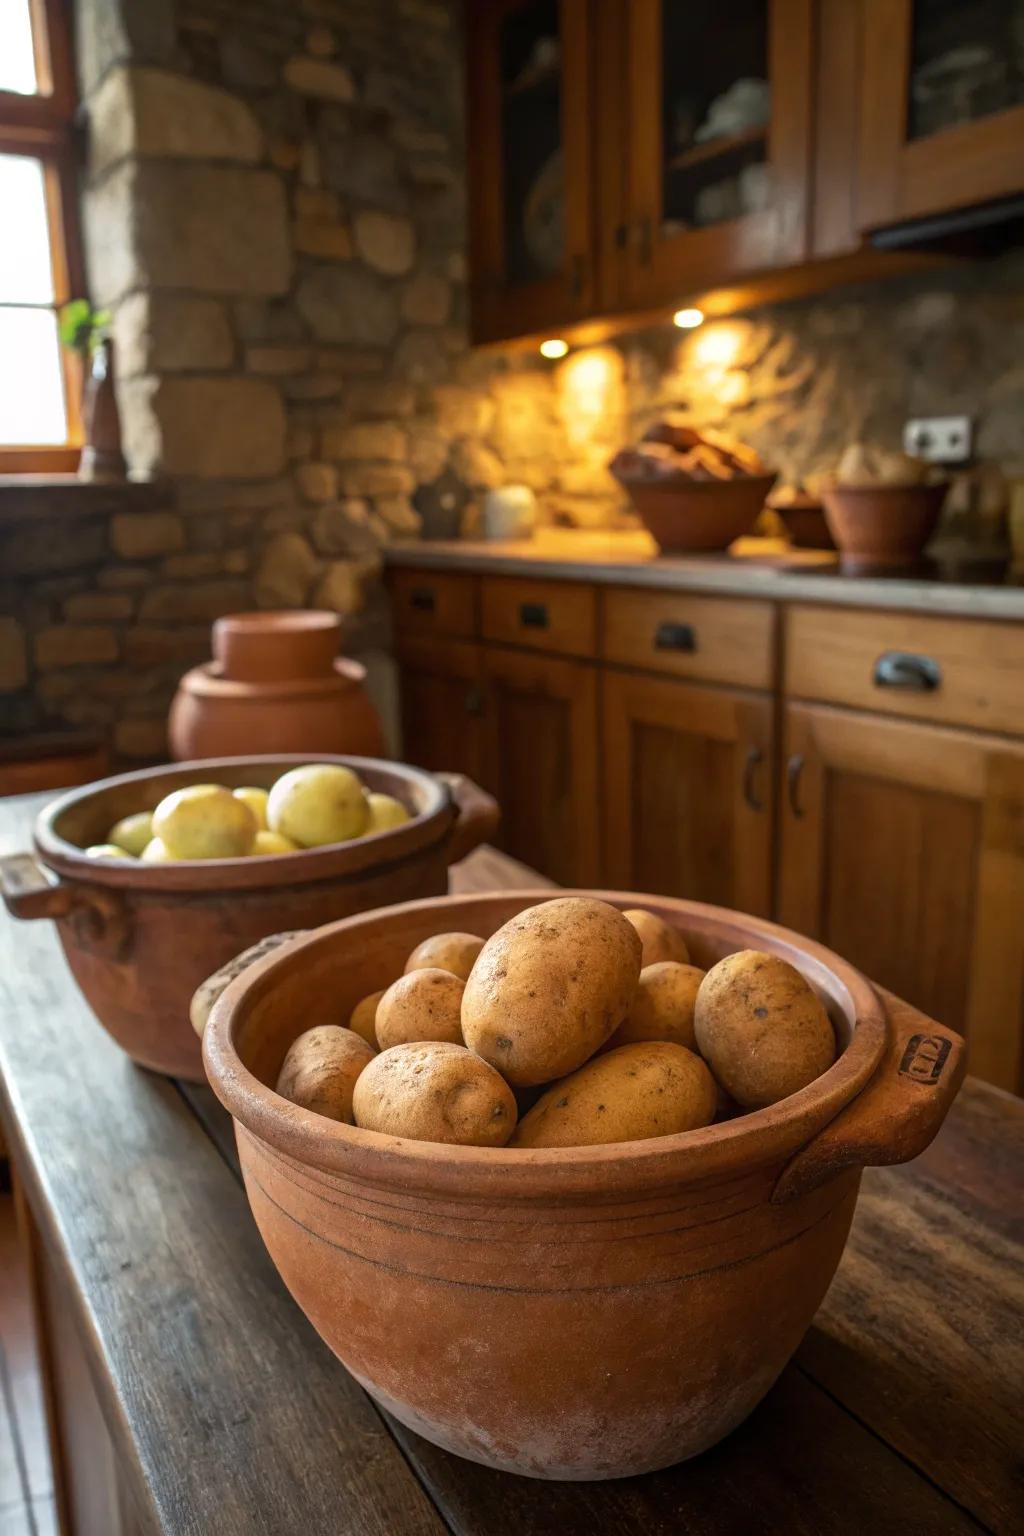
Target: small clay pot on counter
column 140, row 938
column 879, row 526
column 276, row 684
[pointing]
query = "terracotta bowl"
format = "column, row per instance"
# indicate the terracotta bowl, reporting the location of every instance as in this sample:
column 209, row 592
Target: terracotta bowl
column 886, row 525
column 687, row 516
column 805, row 524
column 587, row 1312
column 140, row 938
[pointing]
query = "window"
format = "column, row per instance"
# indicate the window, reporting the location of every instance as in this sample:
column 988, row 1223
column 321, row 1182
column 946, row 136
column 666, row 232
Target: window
column 40, row 267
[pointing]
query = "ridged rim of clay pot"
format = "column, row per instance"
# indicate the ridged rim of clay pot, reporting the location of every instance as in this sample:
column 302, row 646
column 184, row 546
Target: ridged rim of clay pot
column 761, row 1137
column 205, row 681
column 210, row 876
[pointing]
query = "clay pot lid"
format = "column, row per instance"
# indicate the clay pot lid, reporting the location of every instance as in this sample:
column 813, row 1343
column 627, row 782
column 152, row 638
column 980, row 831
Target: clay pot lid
column 76, row 814
column 277, row 645
column 761, row 1138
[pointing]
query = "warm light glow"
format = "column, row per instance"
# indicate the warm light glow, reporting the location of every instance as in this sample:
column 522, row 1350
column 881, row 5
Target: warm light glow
column 688, row 319
column 556, row 347
column 590, row 396
column 718, row 346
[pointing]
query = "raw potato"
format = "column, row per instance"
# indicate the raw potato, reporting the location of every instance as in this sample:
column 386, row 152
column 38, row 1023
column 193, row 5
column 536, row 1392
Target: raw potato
column 156, row 852
column 385, row 812
column 455, row 952
column 204, row 821
column 321, row 1069
column 105, row 851
column 660, row 941
column 363, row 1017
column 425, row 1005
column 663, row 1006
column 132, row 833
column 654, row 1088
column 761, row 1029
column 435, row 1091
column 550, row 987
column 207, row 994
column 256, row 800
column 316, row 804
column 271, row 842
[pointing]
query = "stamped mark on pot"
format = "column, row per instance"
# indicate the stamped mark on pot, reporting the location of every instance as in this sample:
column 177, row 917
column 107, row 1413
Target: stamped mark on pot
column 924, row 1058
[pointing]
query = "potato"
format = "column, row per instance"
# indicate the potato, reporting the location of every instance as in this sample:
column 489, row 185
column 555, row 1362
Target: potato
column 659, row 940
column 761, row 1029
column 105, row 851
column 321, row 1069
column 362, row 1019
column 132, row 833
column 435, row 1091
column 455, row 952
column 204, row 821
column 550, row 987
column 653, row 1088
column 265, row 843
column 157, row 852
column 385, row 812
column 210, row 990
column 425, row 1005
column 663, row 1006
column 317, row 804
column 256, row 799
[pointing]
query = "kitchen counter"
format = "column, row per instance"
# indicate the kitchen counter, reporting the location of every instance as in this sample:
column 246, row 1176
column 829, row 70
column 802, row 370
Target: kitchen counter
column 631, row 559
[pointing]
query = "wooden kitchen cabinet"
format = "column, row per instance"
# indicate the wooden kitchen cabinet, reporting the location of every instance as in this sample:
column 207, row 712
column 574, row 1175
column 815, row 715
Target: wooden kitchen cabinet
column 688, row 790
column 902, row 848
column 942, row 107
column 442, row 705
column 541, row 760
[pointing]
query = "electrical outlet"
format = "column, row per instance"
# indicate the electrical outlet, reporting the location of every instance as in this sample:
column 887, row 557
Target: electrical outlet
column 939, row 439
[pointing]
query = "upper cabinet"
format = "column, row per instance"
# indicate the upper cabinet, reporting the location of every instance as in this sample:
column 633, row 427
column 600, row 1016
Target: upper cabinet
column 942, row 109
column 529, row 146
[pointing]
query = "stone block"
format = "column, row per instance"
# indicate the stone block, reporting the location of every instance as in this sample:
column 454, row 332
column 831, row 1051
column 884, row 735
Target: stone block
column 108, row 31
column 318, row 237
column 376, row 480
column 245, row 64
column 93, row 607
column 317, row 482
column 317, row 203
column 74, row 645
column 348, row 304
column 428, row 454
column 118, row 578
column 39, row 547
column 277, row 360
column 312, row 387
column 148, row 645
column 364, row 167
column 193, row 566
column 140, row 535
column 380, row 398
column 154, row 113
column 286, row 572
column 320, row 78
column 400, row 515
column 171, row 332
column 196, row 602
column 141, row 738
column 321, row 41
column 340, row 588
column 427, row 300
column 365, row 440
column 461, row 412
column 421, row 358
column 13, row 656
column 208, row 428
column 386, row 241
column 476, row 464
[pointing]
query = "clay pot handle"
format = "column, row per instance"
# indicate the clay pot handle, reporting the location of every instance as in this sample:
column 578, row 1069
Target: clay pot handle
column 477, row 819
column 896, row 1115
column 30, row 890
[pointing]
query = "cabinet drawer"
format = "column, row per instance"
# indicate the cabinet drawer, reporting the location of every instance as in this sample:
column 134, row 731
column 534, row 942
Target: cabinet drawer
column 433, row 603
column 544, row 615
column 960, row 671
column 722, row 640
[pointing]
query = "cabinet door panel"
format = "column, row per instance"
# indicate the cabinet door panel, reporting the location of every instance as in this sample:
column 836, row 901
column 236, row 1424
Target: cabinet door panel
column 541, row 761
column 441, row 704
column 902, row 848
column 688, row 791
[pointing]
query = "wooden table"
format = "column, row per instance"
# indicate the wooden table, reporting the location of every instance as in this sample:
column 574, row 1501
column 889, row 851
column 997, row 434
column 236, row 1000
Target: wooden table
column 189, row 1394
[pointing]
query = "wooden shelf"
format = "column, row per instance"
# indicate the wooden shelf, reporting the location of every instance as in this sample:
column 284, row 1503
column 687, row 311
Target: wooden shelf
column 717, row 149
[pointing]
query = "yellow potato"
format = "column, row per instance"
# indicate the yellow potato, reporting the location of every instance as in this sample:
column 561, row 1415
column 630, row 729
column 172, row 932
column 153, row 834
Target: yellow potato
column 663, row 1006
column 455, row 952
column 316, row 804
column 385, row 812
column 650, row 1089
column 550, row 987
column 106, row 851
column 321, row 1068
column 362, row 1020
column 435, row 1091
column 271, row 842
column 763, row 1031
column 204, row 821
column 156, row 852
column 132, row 833
column 256, row 800
column 425, row 1005
column 660, row 941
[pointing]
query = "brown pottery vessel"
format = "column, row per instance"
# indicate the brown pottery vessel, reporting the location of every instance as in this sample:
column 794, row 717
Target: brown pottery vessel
column 587, row 1312
column 691, row 516
column 140, row 938
column 884, row 525
column 276, row 684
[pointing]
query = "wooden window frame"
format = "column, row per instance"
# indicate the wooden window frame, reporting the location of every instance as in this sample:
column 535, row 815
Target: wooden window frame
column 40, row 126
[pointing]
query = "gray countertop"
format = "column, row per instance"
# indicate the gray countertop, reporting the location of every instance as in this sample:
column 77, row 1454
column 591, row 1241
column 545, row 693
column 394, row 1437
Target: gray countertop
column 626, row 559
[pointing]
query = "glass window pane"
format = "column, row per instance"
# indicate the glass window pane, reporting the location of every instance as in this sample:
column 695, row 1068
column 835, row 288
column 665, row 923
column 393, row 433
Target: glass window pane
column 25, row 273
column 31, row 381
column 17, row 59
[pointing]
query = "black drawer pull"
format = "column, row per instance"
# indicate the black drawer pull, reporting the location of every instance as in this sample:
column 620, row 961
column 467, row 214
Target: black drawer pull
column 901, row 669
column 675, row 637
column 533, row 615
column 422, row 598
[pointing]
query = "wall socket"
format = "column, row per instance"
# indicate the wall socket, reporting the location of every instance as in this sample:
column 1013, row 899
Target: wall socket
column 939, row 439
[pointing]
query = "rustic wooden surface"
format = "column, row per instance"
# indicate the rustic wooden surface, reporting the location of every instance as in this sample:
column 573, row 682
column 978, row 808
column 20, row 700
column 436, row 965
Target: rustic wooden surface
column 901, row 1412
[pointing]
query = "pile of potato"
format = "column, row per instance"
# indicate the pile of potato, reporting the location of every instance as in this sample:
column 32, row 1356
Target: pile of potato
column 307, row 807
column 575, row 1024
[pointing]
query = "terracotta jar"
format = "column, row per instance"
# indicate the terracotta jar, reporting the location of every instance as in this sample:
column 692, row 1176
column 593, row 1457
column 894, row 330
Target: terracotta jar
column 576, row 1312
column 276, row 684
column 140, row 938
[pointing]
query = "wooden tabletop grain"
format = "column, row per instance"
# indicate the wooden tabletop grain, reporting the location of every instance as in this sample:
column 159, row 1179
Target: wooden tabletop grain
column 902, row 1411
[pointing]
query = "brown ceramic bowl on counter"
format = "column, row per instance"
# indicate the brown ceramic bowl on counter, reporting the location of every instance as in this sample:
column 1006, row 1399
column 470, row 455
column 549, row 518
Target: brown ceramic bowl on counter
column 579, row 1312
column 696, row 516
column 140, row 938
column 879, row 526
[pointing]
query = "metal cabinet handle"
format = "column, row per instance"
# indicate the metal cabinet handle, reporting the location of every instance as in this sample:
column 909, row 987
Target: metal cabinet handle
column 794, row 772
column 533, row 615
column 423, row 599
column 755, row 757
column 902, row 669
column 675, row 637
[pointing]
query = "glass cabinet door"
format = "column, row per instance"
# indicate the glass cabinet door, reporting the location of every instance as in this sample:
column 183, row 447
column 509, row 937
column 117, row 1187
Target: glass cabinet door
column 966, row 63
